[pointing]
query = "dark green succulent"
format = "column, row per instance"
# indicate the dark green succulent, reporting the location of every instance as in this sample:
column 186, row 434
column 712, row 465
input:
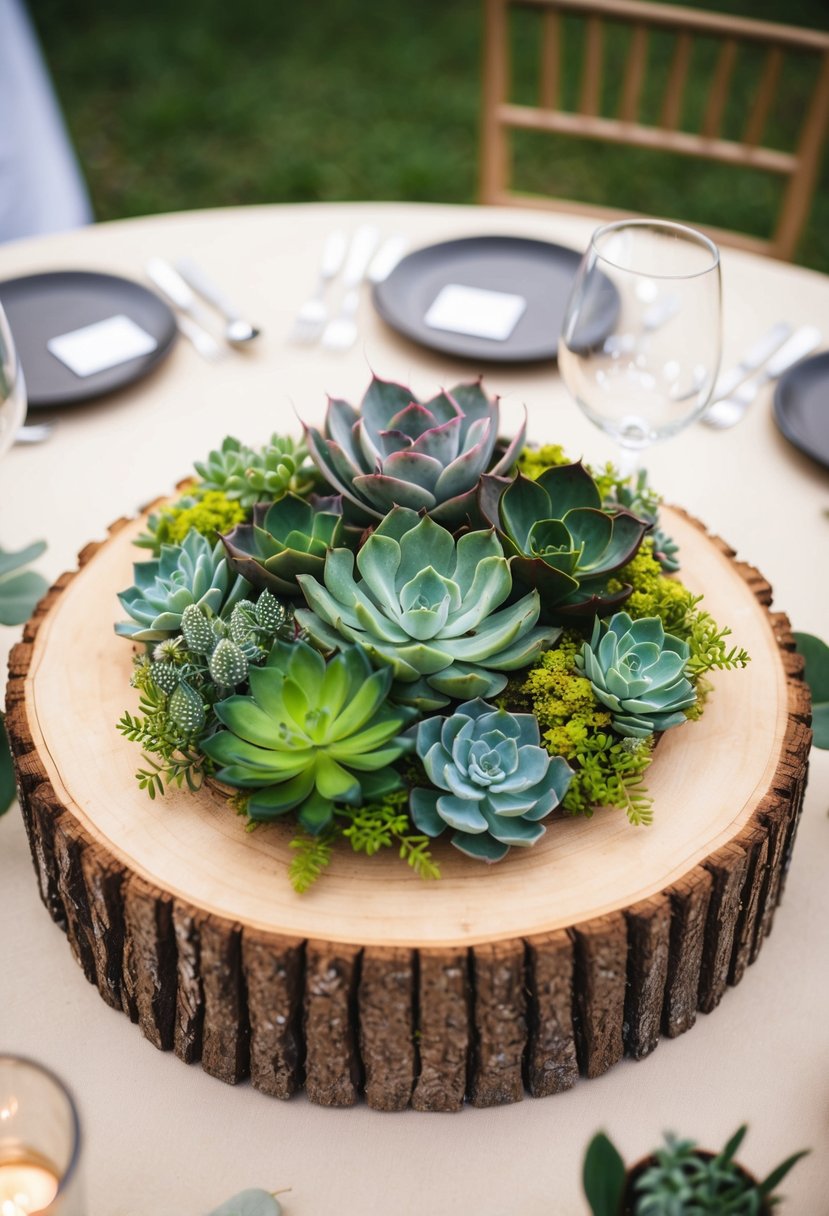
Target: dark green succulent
column 561, row 539
column 310, row 735
column 638, row 671
column 425, row 606
column 249, row 476
column 494, row 781
column 194, row 572
column 288, row 538
column 638, row 498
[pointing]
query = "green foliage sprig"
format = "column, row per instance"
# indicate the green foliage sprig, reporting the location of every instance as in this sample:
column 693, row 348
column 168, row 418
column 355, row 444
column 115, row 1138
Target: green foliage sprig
column 378, row 825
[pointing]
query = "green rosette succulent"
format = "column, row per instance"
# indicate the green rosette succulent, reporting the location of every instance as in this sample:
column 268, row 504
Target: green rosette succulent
column 398, row 451
column 425, row 607
column 638, row 671
column 494, row 780
column 288, row 538
column 248, row 476
column 310, row 735
column 194, row 572
column 561, row 539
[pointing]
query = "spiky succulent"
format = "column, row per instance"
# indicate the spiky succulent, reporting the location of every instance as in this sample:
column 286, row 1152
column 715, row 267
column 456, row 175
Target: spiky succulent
column 398, row 451
column 310, row 735
column 638, row 671
column 561, row 538
column 194, row 572
column 288, row 538
column 249, row 476
column 494, row 780
column 425, row 606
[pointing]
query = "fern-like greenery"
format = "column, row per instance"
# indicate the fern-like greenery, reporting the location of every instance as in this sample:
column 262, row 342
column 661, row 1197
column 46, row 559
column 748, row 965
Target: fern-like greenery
column 179, row 760
column 312, row 855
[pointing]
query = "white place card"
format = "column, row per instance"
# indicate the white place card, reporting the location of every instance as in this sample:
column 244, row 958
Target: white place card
column 475, row 311
column 102, row 345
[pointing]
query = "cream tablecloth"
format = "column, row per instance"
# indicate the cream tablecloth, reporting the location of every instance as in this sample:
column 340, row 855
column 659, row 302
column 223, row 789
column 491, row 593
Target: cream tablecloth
column 163, row 1139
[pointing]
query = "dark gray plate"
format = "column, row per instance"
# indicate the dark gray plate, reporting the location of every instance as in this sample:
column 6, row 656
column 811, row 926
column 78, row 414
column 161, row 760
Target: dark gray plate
column 540, row 272
column 801, row 406
column 42, row 306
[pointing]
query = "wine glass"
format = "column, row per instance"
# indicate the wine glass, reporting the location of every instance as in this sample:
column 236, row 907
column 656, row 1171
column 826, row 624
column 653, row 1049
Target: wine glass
column 12, row 387
column 641, row 338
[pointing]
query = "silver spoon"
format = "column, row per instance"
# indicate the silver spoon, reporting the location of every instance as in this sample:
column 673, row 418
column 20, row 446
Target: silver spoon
column 238, row 330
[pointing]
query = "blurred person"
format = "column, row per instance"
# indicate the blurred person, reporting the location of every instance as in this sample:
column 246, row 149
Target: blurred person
column 41, row 187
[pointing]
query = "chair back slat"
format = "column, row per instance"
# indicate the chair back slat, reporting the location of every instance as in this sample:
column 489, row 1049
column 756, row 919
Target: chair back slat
column 770, row 46
column 766, row 90
column 634, row 74
column 591, row 81
column 677, row 77
column 718, row 96
column 552, row 47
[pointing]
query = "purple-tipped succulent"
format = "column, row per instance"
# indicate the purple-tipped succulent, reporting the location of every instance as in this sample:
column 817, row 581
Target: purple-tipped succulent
column 398, row 451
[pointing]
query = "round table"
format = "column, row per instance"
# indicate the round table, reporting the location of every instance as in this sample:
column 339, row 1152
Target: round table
column 184, row 1142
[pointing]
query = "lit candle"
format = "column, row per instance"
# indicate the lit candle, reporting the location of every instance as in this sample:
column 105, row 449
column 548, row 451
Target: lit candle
column 25, row 1188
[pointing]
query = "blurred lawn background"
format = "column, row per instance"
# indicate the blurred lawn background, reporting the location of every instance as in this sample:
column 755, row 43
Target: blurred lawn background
column 180, row 104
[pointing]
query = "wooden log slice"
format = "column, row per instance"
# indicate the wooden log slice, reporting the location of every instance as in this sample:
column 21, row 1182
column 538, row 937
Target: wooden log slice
column 552, row 963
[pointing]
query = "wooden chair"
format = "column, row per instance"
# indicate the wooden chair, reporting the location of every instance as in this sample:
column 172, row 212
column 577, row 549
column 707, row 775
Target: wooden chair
column 627, row 126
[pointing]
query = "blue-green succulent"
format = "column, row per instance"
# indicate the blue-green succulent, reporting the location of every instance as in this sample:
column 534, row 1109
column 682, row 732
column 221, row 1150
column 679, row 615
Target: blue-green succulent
column 638, row 671
column 560, row 537
column 310, row 735
column 194, row 572
column 495, row 782
column 425, row 605
column 247, row 475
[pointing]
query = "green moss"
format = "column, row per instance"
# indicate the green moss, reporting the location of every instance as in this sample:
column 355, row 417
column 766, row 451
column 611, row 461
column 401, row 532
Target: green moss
column 209, row 513
column 608, row 770
column 533, row 461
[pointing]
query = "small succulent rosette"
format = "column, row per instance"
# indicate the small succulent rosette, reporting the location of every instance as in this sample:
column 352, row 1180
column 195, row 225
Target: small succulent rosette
column 493, row 780
column 638, row 671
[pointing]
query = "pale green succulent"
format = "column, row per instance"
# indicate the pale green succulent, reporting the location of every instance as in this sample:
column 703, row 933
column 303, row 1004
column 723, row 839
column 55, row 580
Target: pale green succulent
column 249, row 476
column 638, row 671
column 425, row 606
column 310, row 735
column 194, row 572
column 494, row 780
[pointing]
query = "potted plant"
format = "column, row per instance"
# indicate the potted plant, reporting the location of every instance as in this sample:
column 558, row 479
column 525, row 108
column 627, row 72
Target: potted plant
column 678, row 1179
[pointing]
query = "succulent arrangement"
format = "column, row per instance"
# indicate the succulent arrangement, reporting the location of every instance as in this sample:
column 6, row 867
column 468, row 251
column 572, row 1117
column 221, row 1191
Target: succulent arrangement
column 678, row 1179
column 404, row 627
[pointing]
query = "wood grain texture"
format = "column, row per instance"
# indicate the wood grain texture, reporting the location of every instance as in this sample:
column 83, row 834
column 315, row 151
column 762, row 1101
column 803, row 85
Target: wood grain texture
column 417, row 1022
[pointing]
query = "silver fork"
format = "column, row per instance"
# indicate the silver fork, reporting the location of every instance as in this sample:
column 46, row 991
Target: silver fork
column 341, row 332
column 729, row 411
column 310, row 320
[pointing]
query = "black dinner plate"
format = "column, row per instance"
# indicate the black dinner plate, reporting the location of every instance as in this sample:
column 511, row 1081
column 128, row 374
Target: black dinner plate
column 42, row 306
column 539, row 271
column 801, row 406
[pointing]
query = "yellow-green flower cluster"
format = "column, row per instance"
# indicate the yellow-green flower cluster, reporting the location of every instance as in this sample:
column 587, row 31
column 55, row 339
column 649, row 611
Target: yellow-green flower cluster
column 533, row 461
column 562, row 699
column 210, row 513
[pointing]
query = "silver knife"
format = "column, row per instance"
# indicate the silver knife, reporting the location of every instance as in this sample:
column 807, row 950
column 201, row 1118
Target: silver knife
column 189, row 315
column 727, row 413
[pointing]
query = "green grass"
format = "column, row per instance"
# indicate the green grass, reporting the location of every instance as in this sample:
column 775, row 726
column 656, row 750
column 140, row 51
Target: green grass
column 178, row 104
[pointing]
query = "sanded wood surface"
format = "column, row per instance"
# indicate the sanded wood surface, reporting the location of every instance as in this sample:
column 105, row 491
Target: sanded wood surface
column 553, row 963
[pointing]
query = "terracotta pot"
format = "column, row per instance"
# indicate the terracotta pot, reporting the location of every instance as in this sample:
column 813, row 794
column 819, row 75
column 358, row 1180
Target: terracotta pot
column 636, row 1171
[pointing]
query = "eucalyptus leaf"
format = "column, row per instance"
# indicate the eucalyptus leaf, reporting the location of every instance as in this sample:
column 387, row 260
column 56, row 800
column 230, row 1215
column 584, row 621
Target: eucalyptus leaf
column 20, row 589
column 603, row 1177
column 816, row 657
column 249, row 1203
column 7, row 783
